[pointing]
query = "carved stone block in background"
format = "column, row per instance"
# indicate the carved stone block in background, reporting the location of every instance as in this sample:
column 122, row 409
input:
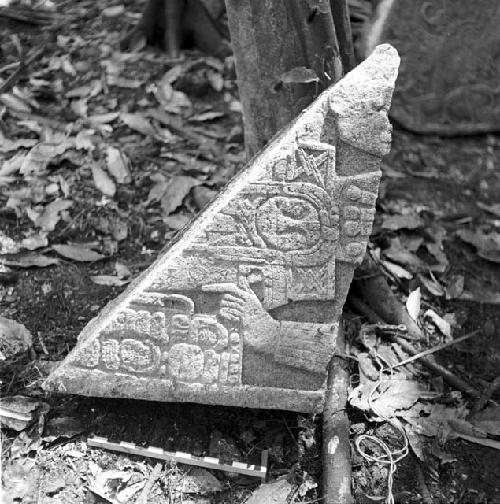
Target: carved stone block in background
column 243, row 309
column 450, row 71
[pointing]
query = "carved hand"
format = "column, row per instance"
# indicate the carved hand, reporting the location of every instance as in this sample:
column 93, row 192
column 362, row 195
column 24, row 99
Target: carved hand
column 260, row 330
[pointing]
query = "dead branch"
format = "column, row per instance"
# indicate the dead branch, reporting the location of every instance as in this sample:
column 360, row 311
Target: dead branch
column 437, row 348
column 336, row 447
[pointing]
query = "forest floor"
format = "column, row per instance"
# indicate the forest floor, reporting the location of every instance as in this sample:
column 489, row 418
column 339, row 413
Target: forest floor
column 104, row 156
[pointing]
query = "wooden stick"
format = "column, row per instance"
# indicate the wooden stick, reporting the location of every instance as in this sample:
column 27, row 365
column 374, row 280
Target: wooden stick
column 336, row 447
column 437, row 348
column 183, row 458
column 341, row 18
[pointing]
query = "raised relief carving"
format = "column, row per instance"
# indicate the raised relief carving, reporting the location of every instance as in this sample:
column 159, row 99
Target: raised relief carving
column 187, row 347
column 243, row 309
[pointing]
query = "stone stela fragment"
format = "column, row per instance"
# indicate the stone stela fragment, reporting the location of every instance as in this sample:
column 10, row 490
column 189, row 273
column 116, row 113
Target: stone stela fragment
column 243, row 309
column 448, row 82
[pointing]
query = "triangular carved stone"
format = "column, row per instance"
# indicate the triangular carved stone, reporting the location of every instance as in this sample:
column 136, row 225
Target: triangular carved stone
column 243, row 309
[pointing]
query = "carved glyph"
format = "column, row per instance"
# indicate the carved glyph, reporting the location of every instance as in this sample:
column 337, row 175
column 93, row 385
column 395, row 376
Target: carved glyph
column 244, row 308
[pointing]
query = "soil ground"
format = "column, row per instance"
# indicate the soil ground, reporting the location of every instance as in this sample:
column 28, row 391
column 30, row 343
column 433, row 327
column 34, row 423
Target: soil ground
column 452, row 185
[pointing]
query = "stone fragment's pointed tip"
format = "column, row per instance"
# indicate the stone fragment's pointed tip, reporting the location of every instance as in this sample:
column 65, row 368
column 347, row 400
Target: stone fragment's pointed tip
column 387, row 50
column 387, row 59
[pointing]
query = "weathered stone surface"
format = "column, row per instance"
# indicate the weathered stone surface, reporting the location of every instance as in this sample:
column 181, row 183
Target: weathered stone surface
column 243, row 309
column 450, row 67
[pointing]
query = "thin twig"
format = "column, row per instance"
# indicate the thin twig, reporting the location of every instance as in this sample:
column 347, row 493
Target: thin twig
column 437, row 348
column 14, row 77
column 9, row 66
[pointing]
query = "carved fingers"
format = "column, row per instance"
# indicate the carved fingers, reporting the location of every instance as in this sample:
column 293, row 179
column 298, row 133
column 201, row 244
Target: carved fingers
column 243, row 294
column 232, row 307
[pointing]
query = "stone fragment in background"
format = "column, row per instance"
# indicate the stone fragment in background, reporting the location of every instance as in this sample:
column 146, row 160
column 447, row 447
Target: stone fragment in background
column 244, row 307
column 448, row 81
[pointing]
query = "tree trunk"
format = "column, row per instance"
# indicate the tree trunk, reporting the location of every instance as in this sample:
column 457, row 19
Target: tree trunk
column 270, row 38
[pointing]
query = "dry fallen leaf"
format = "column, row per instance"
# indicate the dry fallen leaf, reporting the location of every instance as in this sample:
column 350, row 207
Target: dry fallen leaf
column 407, row 221
column 413, row 304
column 432, row 285
column 176, row 221
column 177, row 189
column 14, row 338
column 10, row 167
column 103, row 181
column 442, row 324
column 113, row 11
column 487, row 244
column 138, row 123
column 400, row 254
column 7, row 245
column 107, row 483
column 122, row 270
column 28, row 260
column 38, row 158
column 15, row 103
column 118, row 165
column 109, row 280
column 397, row 270
column 77, row 253
column 206, row 116
column 200, row 481
column 17, row 412
column 36, row 241
column 394, row 395
column 170, row 99
column 203, row 195
column 98, row 119
column 51, row 214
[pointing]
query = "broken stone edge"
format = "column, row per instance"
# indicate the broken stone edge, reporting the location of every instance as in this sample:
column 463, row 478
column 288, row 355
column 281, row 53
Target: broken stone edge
column 359, row 103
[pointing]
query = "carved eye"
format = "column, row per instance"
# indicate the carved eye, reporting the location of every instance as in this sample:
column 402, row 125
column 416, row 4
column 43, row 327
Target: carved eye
column 288, row 223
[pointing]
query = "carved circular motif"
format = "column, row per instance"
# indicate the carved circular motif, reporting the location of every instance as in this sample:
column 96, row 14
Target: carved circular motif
column 288, row 223
column 136, row 356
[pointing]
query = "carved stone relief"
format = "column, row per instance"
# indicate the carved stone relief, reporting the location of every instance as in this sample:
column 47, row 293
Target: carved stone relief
column 244, row 308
